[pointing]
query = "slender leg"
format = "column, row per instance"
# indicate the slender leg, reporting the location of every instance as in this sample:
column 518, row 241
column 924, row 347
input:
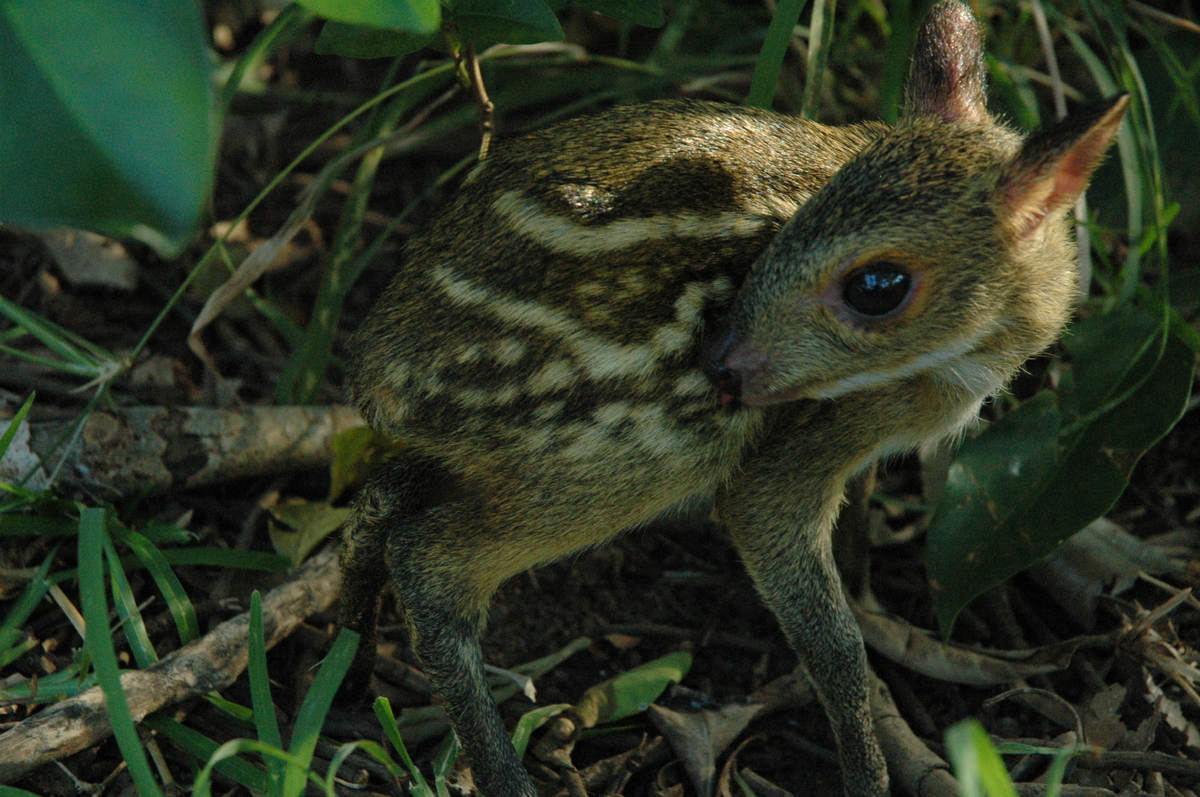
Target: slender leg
column 445, row 591
column 780, row 512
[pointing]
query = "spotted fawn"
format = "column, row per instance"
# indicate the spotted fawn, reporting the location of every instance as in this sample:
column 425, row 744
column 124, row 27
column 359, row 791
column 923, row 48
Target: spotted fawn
column 624, row 311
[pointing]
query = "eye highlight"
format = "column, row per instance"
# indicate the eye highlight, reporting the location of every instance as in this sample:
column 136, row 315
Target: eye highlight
column 877, row 289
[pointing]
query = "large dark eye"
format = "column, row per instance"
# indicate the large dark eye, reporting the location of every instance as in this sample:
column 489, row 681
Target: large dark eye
column 877, row 289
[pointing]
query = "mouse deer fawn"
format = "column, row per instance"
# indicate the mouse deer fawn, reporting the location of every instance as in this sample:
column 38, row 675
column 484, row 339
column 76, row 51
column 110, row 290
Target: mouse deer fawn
column 623, row 311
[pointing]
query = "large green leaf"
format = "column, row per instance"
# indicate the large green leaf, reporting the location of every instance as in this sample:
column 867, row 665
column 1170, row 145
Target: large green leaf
column 362, row 41
column 411, row 16
column 507, row 21
column 1060, row 460
column 109, row 119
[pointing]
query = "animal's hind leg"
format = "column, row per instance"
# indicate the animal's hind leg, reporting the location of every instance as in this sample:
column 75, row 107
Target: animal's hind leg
column 445, row 563
column 395, row 490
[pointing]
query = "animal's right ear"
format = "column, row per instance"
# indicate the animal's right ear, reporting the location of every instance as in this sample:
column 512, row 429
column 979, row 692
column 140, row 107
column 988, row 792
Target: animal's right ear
column 1054, row 166
column 947, row 78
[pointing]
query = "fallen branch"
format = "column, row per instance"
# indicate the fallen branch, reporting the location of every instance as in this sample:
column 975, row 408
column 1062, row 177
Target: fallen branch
column 915, row 769
column 155, row 449
column 211, row 663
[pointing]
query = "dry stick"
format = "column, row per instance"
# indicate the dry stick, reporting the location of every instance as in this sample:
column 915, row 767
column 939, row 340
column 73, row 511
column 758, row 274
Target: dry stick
column 914, row 768
column 654, row 753
column 487, row 109
column 211, row 663
column 137, row 450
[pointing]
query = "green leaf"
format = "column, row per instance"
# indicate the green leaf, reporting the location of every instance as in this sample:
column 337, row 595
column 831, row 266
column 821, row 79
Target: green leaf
column 635, row 12
column 50, row 688
column 202, row 786
column 14, row 423
column 202, row 747
column 361, row 41
column 313, row 521
column 127, row 609
column 15, row 525
column 260, row 691
column 770, row 58
column 978, row 768
column 631, row 692
column 507, row 21
column 226, row 557
column 96, row 131
column 532, row 720
column 412, row 16
column 387, row 720
column 356, row 452
column 443, row 763
column 21, row 609
column 1060, row 460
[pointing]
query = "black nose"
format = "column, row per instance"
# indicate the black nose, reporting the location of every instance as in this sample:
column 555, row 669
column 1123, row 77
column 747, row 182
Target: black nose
column 713, row 352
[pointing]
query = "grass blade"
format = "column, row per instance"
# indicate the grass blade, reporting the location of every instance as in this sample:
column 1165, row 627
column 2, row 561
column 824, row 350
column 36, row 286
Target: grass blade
column 819, row 40
column 202, row 787
column 127, row 609
column 312, row 712
column 14, row 424
column 387, row 720
column 260, row 692
column 770, row 58
column 180, row 606
column 202, row 747
column 31, row 596
column 92, row 535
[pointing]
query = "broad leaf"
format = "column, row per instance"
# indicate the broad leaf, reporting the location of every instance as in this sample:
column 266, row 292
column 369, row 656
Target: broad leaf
column 507, row 21
column 361, row 41
column 1060, row 460
column 632, row 691
column 412, row 16
column 109, row 119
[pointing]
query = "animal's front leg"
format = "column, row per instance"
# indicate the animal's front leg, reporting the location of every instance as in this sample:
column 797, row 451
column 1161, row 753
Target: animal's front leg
column 780, row 512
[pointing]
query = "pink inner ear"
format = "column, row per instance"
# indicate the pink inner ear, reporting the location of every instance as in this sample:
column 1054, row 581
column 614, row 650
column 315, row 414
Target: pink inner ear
column 1034, row 192
column 1030, row 200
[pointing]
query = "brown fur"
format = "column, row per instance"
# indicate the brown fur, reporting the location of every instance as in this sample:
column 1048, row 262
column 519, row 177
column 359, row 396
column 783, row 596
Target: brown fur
column 542, row 353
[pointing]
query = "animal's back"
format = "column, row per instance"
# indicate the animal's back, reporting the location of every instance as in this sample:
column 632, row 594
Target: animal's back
column 556, row 320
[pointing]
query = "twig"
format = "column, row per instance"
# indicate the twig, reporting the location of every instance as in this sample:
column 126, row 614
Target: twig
column 914, row 767
column 486, row 108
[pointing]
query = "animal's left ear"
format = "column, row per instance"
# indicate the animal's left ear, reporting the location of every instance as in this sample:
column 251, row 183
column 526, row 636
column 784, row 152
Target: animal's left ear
column 1054, row 166
column 947, row 76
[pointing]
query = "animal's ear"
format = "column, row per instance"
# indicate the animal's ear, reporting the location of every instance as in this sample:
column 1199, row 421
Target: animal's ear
column 1054, row 166
column 947, row 78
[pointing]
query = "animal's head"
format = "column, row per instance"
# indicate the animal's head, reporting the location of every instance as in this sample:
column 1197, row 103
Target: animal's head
column 942, row 248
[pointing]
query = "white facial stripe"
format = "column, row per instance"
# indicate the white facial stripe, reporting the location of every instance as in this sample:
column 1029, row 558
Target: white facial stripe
column 561, row 234
column 944, row 360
